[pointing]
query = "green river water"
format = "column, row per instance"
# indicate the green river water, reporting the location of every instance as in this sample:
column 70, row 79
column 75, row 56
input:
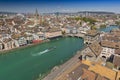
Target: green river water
column 28, row 63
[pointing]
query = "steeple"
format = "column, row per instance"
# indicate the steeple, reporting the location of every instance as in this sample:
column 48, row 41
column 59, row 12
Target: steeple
column 36, row 14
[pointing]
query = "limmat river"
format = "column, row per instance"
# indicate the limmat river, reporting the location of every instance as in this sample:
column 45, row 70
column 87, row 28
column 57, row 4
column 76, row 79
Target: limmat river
column 28, row 63
column 108, row 29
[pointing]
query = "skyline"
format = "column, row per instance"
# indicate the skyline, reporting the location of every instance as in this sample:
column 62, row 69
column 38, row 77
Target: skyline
column 49, row 6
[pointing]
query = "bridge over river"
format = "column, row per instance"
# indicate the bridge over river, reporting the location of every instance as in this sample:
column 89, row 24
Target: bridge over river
column 79, row 35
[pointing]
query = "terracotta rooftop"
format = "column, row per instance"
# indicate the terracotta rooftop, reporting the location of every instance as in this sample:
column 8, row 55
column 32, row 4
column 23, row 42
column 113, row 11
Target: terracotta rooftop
column 116, row 60
column 9, row 21
column 76, row 73
column 88, row 75
column 110, row 44
column 54, row 29
column 116, row 33
column 15, row 36
column 96, row 48
column 18, row 21
column 111, row 38
column 99, row 77
column 117, row 51
column 30, row 23
column 7, row 40
column 92, row 33
column 65, row 74
column 101, row 70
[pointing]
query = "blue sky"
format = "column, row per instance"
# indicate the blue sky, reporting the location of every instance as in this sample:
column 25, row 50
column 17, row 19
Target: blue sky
column 44, row 6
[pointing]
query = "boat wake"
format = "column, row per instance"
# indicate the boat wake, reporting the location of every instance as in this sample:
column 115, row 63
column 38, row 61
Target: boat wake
column 45, row 51
column 40, row 53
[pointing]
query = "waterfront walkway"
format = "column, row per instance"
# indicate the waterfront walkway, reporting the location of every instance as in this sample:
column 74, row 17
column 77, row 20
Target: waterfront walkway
column 58, row 71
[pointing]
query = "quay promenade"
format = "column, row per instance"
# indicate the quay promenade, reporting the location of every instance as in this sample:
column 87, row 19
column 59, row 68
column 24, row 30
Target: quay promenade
column 57, row 71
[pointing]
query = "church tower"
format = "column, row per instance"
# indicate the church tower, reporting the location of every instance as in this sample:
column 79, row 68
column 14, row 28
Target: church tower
column 36, row 14
column 37, row 17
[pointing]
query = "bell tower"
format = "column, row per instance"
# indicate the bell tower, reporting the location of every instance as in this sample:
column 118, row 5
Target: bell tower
column 36, row 14
column 37, row 17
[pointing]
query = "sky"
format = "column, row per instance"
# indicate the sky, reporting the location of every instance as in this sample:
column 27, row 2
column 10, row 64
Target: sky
column 49, row 6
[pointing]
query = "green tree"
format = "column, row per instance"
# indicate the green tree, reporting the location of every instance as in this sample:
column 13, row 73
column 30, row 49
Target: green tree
column 63, row 32
column 102, row 26
column 77, row 18
column 90, row 20
column 117, row 23
column 93, row 27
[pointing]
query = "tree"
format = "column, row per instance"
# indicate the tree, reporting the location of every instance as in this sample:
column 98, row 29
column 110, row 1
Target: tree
column 90, row 20
column 77, row 18
column 63, row 32
column 93, row 27
column 102, row 26
column 117, row 23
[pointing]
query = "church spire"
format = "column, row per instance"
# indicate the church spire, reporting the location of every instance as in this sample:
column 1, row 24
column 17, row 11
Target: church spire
column 36, row 14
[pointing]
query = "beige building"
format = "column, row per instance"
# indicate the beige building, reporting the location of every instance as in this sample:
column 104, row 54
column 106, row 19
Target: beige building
column 53, row 33
column 91, row 36
column 8, row 44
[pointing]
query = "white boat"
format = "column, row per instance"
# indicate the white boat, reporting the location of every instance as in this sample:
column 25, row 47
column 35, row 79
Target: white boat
column 45, row 51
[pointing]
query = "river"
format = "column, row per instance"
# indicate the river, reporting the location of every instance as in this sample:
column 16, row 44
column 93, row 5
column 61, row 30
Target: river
column 108, row 29
column 28, row 63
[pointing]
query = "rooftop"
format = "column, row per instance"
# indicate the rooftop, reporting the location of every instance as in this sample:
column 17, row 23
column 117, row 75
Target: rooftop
column 7, row 40
column 118, row 75
column 110, row 44
column 101, row 70
column 54, row 29
column 92, row 33
column 96, row 48
column 117, row 51
column 73, row 72
column 111, row 38
column 76, row 73
column 116, row 60
column 88, row 75
column 99, row 77
column 116, row 33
